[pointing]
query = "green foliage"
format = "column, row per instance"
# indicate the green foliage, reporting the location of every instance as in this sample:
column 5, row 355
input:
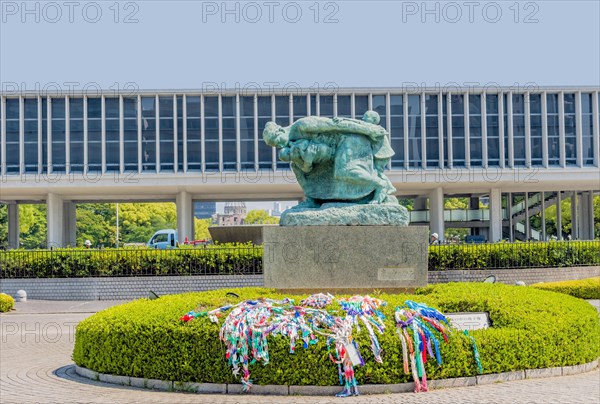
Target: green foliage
column 139, row 221
column 260, row 216
column 530, row 329
column 220, row 259
column 583, row 289
column 514, row 255
column 456, row 203
column 201, row 229
column 32, row 225
column 6, row 302
column 3, row 223
column 95, row 222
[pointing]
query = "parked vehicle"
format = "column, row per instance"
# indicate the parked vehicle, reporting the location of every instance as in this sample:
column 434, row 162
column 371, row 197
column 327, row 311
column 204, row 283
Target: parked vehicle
column 164, row 239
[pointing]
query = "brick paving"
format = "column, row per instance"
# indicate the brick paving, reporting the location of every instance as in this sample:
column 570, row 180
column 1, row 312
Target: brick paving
column 36, row 367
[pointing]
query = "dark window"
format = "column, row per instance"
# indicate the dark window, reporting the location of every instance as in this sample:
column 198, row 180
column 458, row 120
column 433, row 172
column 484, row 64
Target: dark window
column 431, row 130
column 493, row 130
column 397, row 130
column 76, row 134
column 148, row 133
column 194, row 136
column 414, row 131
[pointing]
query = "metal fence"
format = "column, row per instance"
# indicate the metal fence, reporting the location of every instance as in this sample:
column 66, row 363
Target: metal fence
column 77, row 263
column 247, row 260
column 551, row 254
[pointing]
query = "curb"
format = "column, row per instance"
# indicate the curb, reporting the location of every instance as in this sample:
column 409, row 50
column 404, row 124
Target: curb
column 283, row 390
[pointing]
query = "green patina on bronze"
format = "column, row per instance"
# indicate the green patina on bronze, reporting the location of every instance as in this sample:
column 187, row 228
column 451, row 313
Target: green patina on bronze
column 339, row 163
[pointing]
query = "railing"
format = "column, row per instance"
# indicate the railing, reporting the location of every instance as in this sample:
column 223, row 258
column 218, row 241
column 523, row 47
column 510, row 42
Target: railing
column 76, row 263
column 455, row 215
column 248, row 260
column 552, row 254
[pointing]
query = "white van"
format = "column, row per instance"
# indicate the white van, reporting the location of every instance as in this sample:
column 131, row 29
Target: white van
column 164, row 239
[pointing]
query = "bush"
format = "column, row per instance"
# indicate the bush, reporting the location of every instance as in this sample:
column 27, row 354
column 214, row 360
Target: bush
column 530, row 329
column 6, row 303
column 551, row 254
column 583, row 289
column 221, row 259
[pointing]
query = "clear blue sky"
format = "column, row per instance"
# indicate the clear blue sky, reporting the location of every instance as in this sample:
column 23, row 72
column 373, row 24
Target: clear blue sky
column 194, row 44
column 191, row 44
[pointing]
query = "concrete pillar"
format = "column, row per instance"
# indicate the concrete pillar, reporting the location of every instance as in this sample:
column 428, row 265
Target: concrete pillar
column 495, row 215
column 185, row 216
column 590, row 198
column 13, row 225
column 436, row 212
column 586, row 216
column 559, row 234
column 527, row 222
column 544, row 238
column 511, row 228
column 474, row 205
column 69, row 224
column 420, row 203
column 55, row 218
column 574, row 221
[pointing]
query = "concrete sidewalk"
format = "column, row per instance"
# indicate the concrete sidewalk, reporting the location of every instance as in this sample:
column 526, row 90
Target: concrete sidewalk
column 58, row 307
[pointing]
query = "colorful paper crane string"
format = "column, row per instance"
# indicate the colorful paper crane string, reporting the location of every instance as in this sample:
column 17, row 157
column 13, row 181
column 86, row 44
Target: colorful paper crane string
column 246, row 328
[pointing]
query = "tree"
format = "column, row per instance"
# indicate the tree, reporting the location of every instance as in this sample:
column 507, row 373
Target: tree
column 3, row 224
column 456, row 203
column 407, row 203
column 139, row 221
column 201, row 229
column 32, row 226
column 96, row 222
column 260, row 216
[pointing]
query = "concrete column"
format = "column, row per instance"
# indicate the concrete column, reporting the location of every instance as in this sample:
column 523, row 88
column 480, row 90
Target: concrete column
column 559, row 234
column 55, row 218
column 574, row 221
column 420, row 203
column 586, row 216
column 436, row 212
column 543, row 196
column 69, row 224
column 495, row 215
column 590, row 199
column 13, row 225
column 527, row 222
column 474, row 205
column 185, row 216
column 509, row 205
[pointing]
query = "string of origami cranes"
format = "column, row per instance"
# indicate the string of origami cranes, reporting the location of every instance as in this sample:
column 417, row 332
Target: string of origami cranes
column 246, row 328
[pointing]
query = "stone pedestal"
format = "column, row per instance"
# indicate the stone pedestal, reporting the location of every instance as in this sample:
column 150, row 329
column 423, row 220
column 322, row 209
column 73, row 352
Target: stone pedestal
column 345, row 258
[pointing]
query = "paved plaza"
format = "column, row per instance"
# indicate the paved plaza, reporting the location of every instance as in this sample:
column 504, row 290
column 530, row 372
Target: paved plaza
column 36, row 367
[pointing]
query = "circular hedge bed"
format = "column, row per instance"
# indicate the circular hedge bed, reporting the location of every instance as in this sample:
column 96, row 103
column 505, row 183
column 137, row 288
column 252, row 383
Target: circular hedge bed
column 529, row 329
column 6, row 302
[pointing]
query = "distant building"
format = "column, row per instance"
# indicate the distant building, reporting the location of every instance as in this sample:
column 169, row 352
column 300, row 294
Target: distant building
column 204, row 210
column 276, row 210
column 234, row 214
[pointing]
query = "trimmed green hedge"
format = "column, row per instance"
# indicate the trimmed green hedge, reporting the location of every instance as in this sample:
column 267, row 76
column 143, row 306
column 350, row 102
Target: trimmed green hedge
column 71, row 263
column 583, row 289
column 530, row 329
column 247, row 258
column 552, row 254
column 6, row 303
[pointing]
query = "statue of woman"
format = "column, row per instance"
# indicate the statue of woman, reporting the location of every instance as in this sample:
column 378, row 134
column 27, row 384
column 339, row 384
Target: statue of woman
column 336, row 160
